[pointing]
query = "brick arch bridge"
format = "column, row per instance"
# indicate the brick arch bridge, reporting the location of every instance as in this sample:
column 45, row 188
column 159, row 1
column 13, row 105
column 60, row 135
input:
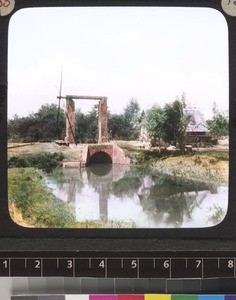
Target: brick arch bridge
column 116, row 154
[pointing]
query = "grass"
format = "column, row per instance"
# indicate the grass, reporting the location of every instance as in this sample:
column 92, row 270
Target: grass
column 219, row 154
column 37, row 205
column 44, row 161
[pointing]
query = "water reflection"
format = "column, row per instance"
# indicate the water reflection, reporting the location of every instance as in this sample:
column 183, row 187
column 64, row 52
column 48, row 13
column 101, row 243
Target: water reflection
column 118, row 196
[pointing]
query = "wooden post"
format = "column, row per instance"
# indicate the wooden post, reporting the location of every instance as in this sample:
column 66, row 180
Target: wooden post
column 102, row 121
column 70, row 121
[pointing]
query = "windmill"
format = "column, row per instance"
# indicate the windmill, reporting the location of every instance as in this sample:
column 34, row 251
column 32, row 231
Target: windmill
column 60, row 97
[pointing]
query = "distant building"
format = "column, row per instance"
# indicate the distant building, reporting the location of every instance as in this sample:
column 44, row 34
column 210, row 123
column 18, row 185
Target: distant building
column 197, row 132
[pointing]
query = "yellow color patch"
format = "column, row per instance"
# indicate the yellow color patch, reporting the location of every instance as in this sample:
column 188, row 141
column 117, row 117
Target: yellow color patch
column 157, row 297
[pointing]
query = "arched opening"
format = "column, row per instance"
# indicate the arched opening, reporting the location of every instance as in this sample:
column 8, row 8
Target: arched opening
column 100, row 163
column 100, row 158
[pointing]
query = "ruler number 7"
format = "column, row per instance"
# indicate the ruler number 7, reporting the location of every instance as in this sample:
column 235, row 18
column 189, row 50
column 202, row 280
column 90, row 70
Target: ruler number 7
column 198, row 263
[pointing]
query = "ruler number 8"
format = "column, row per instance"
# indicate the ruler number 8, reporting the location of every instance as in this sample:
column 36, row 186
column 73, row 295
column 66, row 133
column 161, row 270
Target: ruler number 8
column 230, row 264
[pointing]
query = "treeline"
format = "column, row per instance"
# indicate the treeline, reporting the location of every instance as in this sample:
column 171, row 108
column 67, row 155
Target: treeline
column 49, row 124
column 168, row 123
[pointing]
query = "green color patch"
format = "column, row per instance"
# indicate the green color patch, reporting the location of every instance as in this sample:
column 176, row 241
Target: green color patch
column 184, row 297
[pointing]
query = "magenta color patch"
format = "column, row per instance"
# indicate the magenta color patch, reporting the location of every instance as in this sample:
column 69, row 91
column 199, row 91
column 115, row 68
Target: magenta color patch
column 102, row 297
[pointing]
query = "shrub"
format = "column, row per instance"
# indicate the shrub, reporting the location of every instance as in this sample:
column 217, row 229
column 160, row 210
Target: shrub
column 44, row 161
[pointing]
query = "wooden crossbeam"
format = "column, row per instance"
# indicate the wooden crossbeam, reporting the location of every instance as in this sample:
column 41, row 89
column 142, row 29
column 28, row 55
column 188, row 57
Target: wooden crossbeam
column 74, row 97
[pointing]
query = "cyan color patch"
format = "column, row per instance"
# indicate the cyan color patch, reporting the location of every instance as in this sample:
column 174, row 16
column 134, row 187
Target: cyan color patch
column 211, row 297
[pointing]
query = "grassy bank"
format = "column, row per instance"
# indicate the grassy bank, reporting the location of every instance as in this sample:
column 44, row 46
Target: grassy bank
column 197, row 167
column 30, row 198
column 206, row 165
column 44, row 161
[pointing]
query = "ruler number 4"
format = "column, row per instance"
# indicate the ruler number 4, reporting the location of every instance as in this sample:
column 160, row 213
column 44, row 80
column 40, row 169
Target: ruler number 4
column 102, row 264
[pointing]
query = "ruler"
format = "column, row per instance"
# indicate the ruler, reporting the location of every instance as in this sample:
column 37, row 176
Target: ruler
column 168, row 265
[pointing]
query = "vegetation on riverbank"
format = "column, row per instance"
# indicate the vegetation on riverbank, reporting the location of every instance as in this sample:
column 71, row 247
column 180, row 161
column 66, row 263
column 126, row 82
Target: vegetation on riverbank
column 206, row 165
column 44, row 161
column 34, row 201
column 32, row 204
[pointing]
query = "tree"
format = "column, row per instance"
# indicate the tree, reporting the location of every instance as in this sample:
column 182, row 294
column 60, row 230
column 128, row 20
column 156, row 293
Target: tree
column 47, row 124
column 51, row 122
column 154, row 124
column 126, row 126
column 176, row 122
column 86, row 126
column 219, row 124
column 132, row 119
column 117, row 126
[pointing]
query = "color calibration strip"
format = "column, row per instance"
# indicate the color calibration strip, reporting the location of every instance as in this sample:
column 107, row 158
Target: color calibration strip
column 127, row 297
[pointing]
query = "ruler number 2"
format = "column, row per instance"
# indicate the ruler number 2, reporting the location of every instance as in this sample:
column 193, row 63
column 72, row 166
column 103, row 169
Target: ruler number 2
column 37, row 264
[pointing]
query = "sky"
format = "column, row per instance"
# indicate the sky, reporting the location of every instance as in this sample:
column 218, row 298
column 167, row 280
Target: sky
column 152, row 54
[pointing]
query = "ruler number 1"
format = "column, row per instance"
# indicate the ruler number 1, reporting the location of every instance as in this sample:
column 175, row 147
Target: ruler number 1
column 5, row 264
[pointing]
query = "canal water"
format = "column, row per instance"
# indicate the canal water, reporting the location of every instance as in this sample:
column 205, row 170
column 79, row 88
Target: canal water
column 123, row 197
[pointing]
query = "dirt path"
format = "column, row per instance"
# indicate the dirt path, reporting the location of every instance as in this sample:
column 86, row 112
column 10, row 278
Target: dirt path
column 72, row 154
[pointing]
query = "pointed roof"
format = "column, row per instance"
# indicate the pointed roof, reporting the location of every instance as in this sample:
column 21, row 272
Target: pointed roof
column 198, row 123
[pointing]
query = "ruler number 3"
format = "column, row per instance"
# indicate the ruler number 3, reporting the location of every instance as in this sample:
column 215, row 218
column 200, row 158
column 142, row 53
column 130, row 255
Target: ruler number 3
column 69, row 264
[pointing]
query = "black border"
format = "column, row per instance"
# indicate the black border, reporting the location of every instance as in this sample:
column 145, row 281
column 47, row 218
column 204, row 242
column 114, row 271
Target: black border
column 14, row 237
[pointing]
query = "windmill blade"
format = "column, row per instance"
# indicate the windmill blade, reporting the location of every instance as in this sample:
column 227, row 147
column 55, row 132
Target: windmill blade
column 59, row 99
